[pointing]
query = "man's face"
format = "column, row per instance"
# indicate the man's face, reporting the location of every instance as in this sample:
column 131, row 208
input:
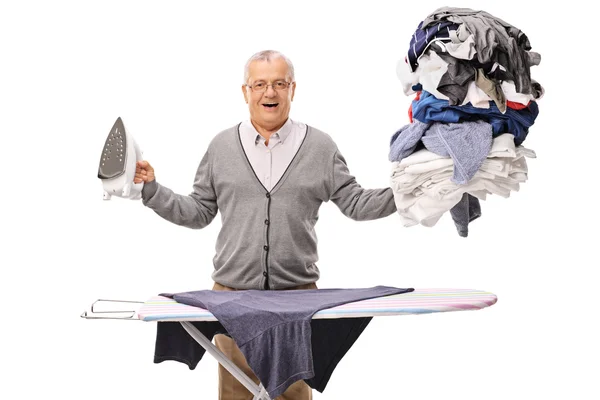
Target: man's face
column 271, row 108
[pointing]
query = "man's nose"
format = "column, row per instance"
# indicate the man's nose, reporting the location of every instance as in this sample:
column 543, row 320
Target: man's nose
column 270, row 92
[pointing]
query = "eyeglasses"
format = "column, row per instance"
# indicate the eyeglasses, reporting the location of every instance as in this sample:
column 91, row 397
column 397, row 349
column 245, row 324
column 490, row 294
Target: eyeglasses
column 261, row 86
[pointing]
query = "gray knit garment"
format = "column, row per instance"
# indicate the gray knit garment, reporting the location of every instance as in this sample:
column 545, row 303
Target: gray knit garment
column 404, row 142
column 268, row 236
column 468, row 143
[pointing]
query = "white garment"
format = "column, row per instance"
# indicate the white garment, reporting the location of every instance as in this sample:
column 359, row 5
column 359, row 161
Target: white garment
column 464, row 50
column 423, row 190
column 503, row 146
column 477, row 97
column 511, row 94
column 271, row 161
column 429, row 73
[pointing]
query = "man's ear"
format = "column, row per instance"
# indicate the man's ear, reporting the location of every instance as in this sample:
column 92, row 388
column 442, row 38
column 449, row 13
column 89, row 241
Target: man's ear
column 245, row 92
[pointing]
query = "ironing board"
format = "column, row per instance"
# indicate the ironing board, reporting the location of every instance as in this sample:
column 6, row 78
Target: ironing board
column 420, row 301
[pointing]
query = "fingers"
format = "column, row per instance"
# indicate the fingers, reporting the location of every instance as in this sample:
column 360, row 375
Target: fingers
column 141, row 175
column 143, row 172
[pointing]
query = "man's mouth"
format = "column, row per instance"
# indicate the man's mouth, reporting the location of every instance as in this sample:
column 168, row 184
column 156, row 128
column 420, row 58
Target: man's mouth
column 270, row 105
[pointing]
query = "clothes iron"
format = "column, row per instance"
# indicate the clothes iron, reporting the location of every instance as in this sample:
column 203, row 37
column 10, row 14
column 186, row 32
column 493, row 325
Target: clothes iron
column 118, row 162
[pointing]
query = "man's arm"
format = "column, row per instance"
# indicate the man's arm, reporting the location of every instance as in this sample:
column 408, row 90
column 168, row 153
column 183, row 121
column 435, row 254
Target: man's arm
column 194, row 211
column 354, row 201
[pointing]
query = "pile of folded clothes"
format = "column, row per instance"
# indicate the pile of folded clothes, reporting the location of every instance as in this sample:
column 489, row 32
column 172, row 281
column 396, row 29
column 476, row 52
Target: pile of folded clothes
column 474, row 104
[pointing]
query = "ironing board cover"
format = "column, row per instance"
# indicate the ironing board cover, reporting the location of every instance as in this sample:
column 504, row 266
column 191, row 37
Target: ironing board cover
column 420, row 301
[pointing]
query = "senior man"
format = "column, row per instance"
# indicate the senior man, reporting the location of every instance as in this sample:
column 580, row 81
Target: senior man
column 268, row 176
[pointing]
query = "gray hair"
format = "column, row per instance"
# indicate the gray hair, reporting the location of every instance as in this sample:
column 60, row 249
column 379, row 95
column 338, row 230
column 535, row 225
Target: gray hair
column 268, row 55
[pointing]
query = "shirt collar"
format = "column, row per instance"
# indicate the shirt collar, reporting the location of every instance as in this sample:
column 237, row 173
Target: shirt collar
column 282, row 133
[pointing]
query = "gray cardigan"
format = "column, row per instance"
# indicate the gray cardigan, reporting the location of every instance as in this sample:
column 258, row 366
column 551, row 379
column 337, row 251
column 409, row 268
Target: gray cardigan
column 267, row 239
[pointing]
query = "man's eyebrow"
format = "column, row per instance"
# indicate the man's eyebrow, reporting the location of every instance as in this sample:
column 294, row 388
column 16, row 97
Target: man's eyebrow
column 274, row 80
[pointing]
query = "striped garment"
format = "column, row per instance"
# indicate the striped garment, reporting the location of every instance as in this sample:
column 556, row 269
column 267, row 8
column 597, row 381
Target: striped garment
column 422, row 38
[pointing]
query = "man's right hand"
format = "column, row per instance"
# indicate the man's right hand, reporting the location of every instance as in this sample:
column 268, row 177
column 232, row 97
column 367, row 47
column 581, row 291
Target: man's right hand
column 143, row 172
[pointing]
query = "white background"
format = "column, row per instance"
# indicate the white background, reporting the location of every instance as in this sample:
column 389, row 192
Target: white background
column 172, row 71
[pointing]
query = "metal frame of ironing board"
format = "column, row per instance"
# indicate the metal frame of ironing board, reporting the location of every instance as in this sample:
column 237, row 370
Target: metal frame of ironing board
column 420, row 301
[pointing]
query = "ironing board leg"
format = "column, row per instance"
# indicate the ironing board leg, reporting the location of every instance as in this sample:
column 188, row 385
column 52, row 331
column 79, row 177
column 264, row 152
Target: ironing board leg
column 258, row 391
column 262, row 394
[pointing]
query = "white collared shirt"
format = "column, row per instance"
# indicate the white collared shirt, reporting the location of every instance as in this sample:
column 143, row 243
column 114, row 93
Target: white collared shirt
column 270, row 162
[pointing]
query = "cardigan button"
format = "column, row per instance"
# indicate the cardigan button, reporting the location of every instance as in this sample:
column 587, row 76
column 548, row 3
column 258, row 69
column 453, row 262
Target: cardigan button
column 265, row 273
column 268, row 195
column 266, row 222
column 266, row 247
